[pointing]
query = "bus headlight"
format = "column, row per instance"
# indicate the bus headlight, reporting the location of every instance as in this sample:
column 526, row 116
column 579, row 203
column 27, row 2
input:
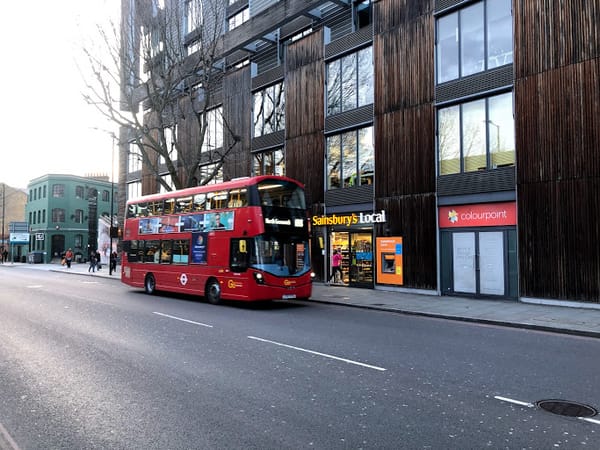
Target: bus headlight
column 260, row 279
column 313, row 276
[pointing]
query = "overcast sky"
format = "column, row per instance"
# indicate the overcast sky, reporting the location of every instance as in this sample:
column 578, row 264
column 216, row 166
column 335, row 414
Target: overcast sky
column 46, row 126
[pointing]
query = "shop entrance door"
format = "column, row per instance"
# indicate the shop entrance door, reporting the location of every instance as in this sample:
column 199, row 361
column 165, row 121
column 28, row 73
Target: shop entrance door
column 361, row 260
column 478, row 262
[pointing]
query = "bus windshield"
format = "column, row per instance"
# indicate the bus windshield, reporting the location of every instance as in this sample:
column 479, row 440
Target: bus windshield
column 278, row 256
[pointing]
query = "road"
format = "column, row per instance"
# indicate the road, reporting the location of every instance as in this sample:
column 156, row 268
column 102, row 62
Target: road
column 89, row 363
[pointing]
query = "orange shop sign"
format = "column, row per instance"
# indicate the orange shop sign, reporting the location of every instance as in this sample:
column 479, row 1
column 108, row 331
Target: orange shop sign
column 479, row 215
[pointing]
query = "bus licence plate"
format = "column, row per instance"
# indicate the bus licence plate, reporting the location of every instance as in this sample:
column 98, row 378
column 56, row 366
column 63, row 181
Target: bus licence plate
column 288, row 296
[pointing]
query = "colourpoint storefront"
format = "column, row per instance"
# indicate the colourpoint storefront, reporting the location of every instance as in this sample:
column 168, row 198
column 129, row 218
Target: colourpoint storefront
column 478, row 249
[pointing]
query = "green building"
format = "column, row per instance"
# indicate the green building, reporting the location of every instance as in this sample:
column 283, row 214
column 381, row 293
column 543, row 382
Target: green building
column 68, row 211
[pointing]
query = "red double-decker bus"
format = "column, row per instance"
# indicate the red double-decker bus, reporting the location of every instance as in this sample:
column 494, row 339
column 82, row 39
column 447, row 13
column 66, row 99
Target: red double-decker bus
column 245, row 239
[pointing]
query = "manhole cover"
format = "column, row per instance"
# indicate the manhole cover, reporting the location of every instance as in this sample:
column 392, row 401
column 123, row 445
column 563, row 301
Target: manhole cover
column 567, row 408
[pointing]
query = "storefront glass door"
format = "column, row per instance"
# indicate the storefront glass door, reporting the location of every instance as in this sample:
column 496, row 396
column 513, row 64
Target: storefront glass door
column 478, row 262
column 361, row 259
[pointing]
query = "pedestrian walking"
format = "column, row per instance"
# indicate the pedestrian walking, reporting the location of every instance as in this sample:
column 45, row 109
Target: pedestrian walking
column 112, row 263
column 98, row 260
column 93, row 262
column 336, row 269
column 69, row 258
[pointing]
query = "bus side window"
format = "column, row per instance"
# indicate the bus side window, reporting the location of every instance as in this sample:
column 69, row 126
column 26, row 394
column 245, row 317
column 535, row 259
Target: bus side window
column 170, row 206
column 237, row 198
column 152, row 253
column 239, row 255
column 199, row 202
column 165, row 252
column 181, row 250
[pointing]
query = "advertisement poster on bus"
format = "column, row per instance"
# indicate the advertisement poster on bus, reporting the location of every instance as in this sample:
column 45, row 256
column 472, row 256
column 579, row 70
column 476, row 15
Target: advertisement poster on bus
column 199, row 243
column 149, row 226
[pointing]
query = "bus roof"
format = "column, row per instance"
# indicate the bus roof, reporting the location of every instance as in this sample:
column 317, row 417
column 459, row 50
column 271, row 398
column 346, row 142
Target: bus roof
column 236, row 183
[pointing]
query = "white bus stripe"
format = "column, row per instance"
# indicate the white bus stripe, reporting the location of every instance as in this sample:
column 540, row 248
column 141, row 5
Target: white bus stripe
column 183, row 320
column 349, row 361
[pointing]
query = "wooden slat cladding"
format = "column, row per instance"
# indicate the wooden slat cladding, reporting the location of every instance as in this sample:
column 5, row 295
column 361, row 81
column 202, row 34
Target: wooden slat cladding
column 237, row 106
column 558, row 123
column 406, row 78
column 414, row 220
column 304, row 113
column 403, row 46
column 559, row 238
column 405, row 152
column 550, row 34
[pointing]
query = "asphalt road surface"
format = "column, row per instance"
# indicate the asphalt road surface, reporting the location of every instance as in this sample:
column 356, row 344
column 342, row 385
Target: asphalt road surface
column 89, row 363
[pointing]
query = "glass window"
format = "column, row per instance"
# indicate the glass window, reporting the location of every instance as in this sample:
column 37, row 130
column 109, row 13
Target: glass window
column 58, row 190
column 199, row 202
column 165, row 252
column 193, row 15
column 211, row 172
column 472, row 49
column 269, row 110
column 365, row 76
column 213, row 136
column 362, row 13
column 105, row 196
column 79, row 192
column 78, row 241
column 58, row 215
column 499, row 33
column 334, row 92
column 477, row 135
column 501, row 131
column 181, row 251
column 449, row 140
column 476, row 38
column 350, row 82
column 239, row 18
column 152, row 251
column 237, row 198
column 78, row 216
column 334, row 159
column 350, row 158
column 270, row 162
column 44, row 191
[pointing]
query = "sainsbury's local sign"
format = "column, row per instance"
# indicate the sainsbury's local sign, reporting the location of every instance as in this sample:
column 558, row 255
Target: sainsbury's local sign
column 349, row 219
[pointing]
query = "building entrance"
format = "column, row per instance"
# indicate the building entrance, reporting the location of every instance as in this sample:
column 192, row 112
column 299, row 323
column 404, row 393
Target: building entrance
column 356, row 248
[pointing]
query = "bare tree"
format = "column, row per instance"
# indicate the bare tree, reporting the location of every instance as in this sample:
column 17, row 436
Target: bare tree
column 156, row 76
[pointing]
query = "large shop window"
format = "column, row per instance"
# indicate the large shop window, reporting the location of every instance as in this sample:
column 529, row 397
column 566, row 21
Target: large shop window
column 213, row 172
column 350, row 81
column 474, row 39
column 350, row 158
column 271, row 162
column 269, row 110
column 477, row 135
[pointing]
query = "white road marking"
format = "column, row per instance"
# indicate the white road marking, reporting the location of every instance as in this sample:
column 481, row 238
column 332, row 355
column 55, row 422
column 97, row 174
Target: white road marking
column 12, row 445
column 34, row 286
column 516, row 402
column 587, row 419
column 183, row 320
column 349, row 361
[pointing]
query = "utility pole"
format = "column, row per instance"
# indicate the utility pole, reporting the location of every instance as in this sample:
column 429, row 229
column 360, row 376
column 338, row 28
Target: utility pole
column 3, row 206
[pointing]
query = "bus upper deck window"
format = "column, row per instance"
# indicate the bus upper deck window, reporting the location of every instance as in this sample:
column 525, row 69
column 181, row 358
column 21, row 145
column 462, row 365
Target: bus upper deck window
column 237, row 198
column 199, row 202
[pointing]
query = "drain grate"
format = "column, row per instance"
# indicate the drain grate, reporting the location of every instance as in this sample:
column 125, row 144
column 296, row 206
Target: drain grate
column 567, row 408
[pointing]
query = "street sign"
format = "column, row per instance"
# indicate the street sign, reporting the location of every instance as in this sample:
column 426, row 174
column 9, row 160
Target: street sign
column 19, row 238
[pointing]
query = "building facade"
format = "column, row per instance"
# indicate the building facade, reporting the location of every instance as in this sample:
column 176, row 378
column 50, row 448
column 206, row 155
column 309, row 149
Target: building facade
column 12, row 204
column 67, row 211
column 446, row 146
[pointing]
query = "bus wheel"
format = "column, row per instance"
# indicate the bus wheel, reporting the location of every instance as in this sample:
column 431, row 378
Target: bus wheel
column 150, row 284
column 213, row 292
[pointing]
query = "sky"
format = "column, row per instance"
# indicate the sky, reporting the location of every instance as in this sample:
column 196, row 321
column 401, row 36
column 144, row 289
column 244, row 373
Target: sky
column 46, row 126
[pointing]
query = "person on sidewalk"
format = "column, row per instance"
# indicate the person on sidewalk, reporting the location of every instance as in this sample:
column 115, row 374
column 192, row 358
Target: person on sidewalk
column 69, row 258
column 112, row 263
column 336, row 263
column 93, row 262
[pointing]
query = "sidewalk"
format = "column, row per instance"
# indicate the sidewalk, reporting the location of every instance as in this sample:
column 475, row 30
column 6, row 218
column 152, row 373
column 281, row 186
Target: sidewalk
column 563, row 319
